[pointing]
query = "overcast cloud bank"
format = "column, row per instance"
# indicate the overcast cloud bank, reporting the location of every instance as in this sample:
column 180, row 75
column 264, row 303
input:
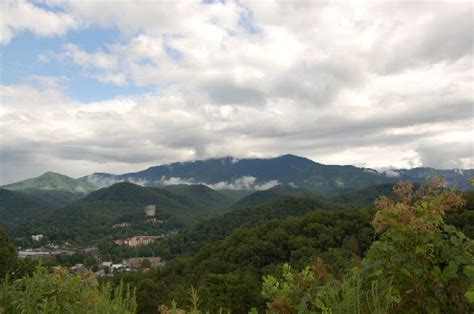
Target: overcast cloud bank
column 370, row 84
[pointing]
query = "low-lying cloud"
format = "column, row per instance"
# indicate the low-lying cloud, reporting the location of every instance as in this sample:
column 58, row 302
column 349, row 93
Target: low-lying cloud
column 242, row 183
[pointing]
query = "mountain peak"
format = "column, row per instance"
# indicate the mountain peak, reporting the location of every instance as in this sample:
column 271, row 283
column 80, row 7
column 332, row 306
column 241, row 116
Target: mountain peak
column 51, row 181
column 294, row 157
column 53, row 174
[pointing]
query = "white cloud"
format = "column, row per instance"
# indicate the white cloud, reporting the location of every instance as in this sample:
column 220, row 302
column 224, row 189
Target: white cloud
column 100, row 182
column 99, row 59
column 391, row 173
column 242, row 183
column 20, row 15
column 176, row 180
column 338, row 82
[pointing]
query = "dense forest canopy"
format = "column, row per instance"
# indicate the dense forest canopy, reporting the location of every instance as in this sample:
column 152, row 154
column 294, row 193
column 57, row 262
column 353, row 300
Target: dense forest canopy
column 334, row 255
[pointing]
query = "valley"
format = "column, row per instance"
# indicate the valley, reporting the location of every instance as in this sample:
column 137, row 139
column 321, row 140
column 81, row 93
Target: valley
column 223, row 241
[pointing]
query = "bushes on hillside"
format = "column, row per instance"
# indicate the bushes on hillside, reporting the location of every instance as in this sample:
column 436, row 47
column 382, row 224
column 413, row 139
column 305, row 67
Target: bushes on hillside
column 419, row 264
column 62, row 292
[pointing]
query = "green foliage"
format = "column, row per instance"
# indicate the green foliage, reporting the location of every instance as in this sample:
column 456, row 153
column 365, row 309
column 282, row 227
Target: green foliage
column 228, row 274
column 313, row 290
column 146, row 263
column 68, row 260
column 418, row 265
column 463, row 219
column 61, row 292
column 10, row 265
column 428, row 262
column 91, row 220
column 191, row 200
column 196, row 236
column 17, row 207
column 7, row 254
column 365, row 196
column 275, row 193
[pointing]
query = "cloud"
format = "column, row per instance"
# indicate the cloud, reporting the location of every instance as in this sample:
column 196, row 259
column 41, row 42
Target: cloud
column 455, row 154
column 242, row 183
column 20, row 15
column 338, row 82
column 97, row 59
column 100, row 181
column 176, row 181
column 391, row 173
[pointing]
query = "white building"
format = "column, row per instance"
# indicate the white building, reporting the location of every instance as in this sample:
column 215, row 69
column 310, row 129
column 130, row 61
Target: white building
column 150, row 210
column 37, row 237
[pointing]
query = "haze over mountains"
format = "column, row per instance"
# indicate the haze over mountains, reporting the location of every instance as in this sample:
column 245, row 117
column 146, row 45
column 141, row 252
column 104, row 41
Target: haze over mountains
column 246, row 174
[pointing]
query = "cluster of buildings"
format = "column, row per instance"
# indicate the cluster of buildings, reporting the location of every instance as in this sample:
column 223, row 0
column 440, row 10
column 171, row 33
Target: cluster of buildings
column 121, row 225
column 150, row 212
column 131, row 264
column 50, row 250
column 138, row 240
column 154, row 221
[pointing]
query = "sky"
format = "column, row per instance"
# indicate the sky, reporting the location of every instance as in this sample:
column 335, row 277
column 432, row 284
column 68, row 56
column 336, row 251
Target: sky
column 119, row 86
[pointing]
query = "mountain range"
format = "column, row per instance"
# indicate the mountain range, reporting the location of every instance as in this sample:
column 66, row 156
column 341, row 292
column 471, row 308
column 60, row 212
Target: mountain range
column 234, row 174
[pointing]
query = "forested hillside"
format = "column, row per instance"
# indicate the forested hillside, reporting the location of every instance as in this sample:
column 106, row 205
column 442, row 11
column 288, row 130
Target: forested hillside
column 229, row 274
column 330, row 249
column 17, row 207
column 91, row 219
column 228, row 260
column 195, row 236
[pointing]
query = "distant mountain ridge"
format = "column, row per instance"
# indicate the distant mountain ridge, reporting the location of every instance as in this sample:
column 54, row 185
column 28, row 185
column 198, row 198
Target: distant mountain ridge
column 249, row 174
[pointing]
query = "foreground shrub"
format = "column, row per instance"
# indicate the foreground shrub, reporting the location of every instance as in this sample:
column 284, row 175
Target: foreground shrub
column 62, row 292
column 419, row 264
column 430, row 263
column 314, row 291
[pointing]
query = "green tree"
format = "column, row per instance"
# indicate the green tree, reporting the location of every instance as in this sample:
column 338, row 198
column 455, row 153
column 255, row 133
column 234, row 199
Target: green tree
column 419, row 264
column 146, row 263
column 429, row 263
column 7, row 254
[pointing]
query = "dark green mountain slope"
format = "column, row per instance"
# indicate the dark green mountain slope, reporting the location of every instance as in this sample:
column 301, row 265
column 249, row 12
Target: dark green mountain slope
column 195, row 201
column 17, row 207
column 92, row 218
column 201, row 194
column 228, row 274
column 272, row 194
column 365, row 196
column 193, row 237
